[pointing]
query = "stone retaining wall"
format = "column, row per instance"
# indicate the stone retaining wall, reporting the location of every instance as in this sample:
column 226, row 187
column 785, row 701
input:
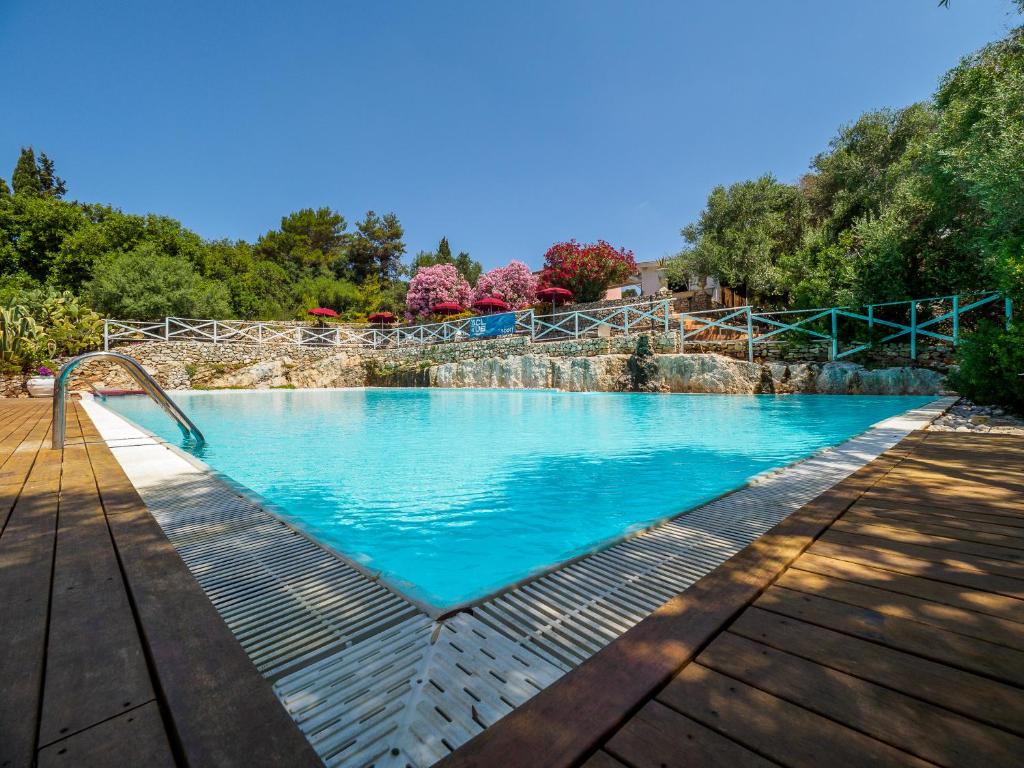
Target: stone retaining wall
column 200, row 365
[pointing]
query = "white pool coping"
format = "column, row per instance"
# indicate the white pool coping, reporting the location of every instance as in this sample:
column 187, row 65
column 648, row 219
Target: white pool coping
column 369, row 675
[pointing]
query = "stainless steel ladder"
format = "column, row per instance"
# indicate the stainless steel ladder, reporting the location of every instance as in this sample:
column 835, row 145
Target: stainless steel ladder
column 137, row 372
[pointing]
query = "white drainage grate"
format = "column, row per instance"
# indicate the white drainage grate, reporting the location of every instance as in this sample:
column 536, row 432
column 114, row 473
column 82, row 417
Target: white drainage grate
column 372, row 680
column 413, row 693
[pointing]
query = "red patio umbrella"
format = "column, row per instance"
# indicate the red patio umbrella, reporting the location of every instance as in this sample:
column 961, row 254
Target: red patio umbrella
column 447, row 308
column 382, row 317
column 555, row 295
column 491, row 304
column 322, row 312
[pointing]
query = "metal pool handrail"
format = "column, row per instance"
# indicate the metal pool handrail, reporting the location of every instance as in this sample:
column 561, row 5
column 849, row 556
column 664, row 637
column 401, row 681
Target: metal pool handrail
column 137, row 372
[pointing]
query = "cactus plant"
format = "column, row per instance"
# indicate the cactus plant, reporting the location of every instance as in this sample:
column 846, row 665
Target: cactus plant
column 72, row 326
column 22, row 341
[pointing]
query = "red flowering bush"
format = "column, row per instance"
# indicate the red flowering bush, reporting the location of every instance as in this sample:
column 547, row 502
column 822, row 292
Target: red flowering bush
column 588, row 270
column 514, row 284
column 434, row 285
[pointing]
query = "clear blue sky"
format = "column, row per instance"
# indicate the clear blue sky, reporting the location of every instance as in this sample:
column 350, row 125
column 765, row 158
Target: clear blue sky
column 505, row 126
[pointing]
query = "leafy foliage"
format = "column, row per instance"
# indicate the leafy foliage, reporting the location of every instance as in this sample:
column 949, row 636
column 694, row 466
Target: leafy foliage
column 46, row 241
column 991, row 363
column 514, row 284
column 71, row 325
column 468, row 268
column 146, row 284
column 588, row 270
column 22, row 341
column 927, row 200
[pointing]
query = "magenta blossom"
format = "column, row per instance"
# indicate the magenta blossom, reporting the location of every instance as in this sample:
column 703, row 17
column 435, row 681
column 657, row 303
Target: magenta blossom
column 514, row 284
column 435, row 285
column 42, row 370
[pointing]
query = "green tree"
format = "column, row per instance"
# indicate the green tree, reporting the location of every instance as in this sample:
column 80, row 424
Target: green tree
column 33, row 229
column 147, row 284
column 25, row 178
column 309, row 243
column 376, row 248
column 743, row 232
column 466, row 267
column 5, row 191
column 52, row 184
column 36, row 177
column 977, row 155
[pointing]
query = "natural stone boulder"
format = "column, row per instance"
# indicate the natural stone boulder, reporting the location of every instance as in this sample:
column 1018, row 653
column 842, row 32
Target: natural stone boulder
column 851, row 379
column 708, row 373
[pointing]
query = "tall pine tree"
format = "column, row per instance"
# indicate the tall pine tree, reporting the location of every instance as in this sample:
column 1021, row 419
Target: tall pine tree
column 376, row 248
column 25, row 178
column 36, row 177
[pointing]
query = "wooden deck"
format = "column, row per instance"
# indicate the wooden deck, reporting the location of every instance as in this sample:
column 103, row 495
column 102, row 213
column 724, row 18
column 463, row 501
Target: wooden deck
column 882, row 624
column 110, row 653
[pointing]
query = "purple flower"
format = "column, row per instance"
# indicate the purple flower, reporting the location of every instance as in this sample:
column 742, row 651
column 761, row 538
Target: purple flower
column 42, row 370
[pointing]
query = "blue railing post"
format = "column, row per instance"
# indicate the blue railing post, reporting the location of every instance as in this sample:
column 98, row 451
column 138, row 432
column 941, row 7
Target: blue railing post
column 1008, row 309
column 750, row 337
column 956, row 320
column 913, row 330
column 834, row 353
column 533, row 325
column 682, row 334
column 871, row 320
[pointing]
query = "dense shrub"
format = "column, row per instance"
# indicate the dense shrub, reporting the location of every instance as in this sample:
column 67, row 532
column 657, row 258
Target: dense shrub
column 433, row 285
column 991, row 361
column 586, row 269
column 514, row 284
column 147, row 285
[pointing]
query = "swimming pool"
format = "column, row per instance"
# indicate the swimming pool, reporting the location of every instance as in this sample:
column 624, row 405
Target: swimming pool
column 452, row 494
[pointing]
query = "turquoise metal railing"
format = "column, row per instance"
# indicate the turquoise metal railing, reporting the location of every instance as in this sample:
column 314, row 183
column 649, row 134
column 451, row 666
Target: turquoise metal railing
column 760, row 327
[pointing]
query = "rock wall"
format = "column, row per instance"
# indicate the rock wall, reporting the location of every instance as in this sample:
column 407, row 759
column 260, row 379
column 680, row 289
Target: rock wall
column 195, row 365
column 704, row 373
column 591, row 364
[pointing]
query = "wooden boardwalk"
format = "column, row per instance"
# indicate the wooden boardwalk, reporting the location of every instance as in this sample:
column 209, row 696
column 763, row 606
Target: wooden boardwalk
column 110, row 653
column 882, row 624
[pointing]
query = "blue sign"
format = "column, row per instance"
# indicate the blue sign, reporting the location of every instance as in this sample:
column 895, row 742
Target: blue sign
column 492, row 325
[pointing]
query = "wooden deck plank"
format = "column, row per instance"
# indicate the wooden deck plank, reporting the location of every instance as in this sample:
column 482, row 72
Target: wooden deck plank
column 26, row 562
column 603, row 760
column 788, row 734
column 950, row 528
column 660, row 737
column 96, row 667
column 896, row 504
column 986, row 557
column 133, row 738
column 893, row 603
column 77, row 660
column 989, row 603
column 202, row 671
column 954, row 650
column 930, row 569
column 928, row 731
column 973, row 696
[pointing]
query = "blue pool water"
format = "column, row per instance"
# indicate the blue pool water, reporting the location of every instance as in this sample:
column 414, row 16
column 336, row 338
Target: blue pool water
column 453, row 494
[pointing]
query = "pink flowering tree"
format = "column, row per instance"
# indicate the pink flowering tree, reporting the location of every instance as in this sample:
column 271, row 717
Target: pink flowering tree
column 514, row 284
column 431, row 286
